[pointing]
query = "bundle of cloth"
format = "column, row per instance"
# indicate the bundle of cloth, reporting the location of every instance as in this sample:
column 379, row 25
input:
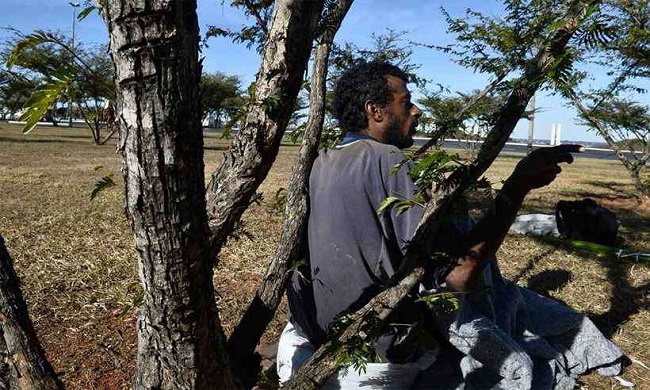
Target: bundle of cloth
column 503, row 336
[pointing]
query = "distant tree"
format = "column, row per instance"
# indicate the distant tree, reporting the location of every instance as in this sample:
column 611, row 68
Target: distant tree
column 66, row 73
column 472, row 118
column 15, row 89
column 221, row 96
column 390, row 46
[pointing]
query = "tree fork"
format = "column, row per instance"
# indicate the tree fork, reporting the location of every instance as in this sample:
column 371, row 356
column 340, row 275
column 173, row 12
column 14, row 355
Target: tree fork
column 322, row 364
column 244, row 167
column 260, row 312
column 24, row 364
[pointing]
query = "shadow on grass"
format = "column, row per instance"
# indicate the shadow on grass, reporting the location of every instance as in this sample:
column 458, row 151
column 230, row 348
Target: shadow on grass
column 217, row 148
column 531, row 265
column 626, row 299
column 27, row 140
column 549, row 280
column 616, row 187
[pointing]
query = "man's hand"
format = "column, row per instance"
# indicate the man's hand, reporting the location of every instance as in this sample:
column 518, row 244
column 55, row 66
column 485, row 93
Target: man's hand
column 540, row 168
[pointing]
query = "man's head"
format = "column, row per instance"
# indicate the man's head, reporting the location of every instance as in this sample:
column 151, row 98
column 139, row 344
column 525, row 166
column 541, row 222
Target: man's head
column 372, row 98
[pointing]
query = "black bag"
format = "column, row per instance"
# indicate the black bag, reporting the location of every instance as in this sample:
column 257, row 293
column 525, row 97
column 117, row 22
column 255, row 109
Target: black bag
column 586, row 220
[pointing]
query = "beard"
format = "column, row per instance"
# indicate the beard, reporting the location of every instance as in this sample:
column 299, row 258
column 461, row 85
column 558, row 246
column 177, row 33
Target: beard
column 394, row 135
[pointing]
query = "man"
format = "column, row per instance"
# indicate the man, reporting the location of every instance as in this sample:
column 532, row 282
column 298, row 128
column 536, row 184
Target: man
column 354, row 251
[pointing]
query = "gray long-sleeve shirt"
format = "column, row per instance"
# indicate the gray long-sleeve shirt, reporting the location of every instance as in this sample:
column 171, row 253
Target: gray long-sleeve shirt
column 353, row 250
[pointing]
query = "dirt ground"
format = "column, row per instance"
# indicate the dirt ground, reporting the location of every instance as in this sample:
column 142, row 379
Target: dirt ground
column 76, row 257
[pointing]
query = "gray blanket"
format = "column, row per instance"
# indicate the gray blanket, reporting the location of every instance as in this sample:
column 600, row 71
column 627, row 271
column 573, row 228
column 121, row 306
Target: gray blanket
column 512, row 338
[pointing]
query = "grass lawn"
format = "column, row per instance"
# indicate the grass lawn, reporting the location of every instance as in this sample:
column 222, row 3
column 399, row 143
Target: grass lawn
column 76, row 257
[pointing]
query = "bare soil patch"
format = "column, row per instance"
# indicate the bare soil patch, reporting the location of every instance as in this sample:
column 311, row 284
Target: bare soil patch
column 77, row 261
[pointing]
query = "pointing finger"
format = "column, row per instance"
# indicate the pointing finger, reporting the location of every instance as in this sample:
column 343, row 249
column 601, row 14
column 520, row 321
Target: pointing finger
column 566, row 148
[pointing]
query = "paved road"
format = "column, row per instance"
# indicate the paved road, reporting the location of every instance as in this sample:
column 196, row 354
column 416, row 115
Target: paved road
column 511, row 147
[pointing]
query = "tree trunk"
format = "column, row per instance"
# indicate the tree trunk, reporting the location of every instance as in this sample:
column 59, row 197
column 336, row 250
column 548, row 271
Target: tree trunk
column 24, row 364
column 246, row 164
column 323, row 363
column 291, row 248
column 154, row 48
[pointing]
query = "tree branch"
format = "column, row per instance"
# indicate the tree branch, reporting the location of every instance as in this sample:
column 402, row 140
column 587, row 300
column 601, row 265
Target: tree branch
column 291, row 249
column 246, row 164
column 420, row 249
column 254, row 11
column 22, row 354
column 631, row 167
column 445, row 128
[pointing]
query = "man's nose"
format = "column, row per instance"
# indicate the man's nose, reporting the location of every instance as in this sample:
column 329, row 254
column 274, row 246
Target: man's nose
column 415, row 111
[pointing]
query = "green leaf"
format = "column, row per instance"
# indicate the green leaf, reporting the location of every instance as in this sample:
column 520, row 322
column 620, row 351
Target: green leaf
column 104, row 183
column 85, row 12
column 388, row 202
column 36, row 38
column 41, row 100
column 226, row 130
column 270, row 105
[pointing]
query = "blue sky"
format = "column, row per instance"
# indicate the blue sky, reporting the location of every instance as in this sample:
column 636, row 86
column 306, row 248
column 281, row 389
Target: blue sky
column 421, row 18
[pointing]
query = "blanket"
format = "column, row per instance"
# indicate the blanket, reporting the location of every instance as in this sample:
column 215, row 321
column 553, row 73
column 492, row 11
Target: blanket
column 512, row 338
column 503, row 337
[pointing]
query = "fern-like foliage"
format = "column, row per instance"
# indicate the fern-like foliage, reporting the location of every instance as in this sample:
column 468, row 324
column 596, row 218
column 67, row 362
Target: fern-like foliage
column 44, row 98
column 34, row 39
column 103, row 184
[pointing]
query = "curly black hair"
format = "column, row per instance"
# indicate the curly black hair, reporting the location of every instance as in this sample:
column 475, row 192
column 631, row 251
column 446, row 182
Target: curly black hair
column 362, row 82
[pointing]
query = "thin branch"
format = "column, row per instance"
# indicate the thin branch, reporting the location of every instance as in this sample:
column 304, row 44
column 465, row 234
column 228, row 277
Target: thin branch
column 444, row 129
column 418, row 254
column 254, row 11
column 290, row 250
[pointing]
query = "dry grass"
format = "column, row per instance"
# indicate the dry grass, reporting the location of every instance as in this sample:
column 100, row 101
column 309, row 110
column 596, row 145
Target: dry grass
column 77, row 264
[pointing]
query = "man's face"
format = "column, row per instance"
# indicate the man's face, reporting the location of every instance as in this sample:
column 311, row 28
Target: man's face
column 402, row 115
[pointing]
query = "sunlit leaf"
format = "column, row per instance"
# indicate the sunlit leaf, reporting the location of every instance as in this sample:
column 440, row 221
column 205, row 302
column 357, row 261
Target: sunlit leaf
column 85, row 12
column 388, row 202
column 43, row 99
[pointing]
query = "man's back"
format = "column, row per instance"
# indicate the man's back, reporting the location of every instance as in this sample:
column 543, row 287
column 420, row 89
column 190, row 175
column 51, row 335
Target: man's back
column 353, row 250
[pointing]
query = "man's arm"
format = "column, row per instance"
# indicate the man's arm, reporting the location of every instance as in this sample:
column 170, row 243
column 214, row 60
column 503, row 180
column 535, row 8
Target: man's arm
column 536, row 170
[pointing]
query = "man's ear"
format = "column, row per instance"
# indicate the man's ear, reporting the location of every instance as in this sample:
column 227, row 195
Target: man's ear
column 374, row 111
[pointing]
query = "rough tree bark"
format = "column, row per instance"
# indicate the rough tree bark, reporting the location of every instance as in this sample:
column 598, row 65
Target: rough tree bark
column 322, row 364
column 154, row 49
column 24, row 364
column 260, row 312
column 246, row 164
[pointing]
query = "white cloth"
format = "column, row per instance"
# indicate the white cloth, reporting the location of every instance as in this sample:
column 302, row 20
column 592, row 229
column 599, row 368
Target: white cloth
column 294, row 350
column 535, row 224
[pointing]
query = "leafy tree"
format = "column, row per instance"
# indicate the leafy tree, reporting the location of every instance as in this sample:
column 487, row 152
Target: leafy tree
column 618, row 43
column 14, row 90
column 540, row 34
column 253, row 34
column 72, row 74
column 221, row 96
column 614, row 40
